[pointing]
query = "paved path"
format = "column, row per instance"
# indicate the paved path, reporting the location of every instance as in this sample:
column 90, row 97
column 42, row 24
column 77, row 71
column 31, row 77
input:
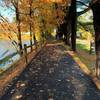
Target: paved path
column 53, row 75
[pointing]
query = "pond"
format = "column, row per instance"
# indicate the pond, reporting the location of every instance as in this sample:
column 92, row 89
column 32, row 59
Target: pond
column 8, row 53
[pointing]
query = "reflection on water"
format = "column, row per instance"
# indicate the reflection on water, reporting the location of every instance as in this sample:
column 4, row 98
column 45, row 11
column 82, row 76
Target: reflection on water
column 9, row 62
column 8, row 49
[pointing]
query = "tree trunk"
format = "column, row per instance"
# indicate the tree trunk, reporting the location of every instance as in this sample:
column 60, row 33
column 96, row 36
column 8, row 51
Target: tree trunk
column 96, row 18
column 69, row 27
column 19, row 30
column 73, row 24
column 31, row 24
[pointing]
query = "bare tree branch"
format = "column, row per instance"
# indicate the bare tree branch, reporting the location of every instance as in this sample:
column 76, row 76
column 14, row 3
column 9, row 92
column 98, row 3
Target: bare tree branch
column 87, row 9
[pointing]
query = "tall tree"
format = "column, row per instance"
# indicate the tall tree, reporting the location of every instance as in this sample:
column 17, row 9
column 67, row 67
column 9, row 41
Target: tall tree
column 96, row 17
column 16, row 5
column 30, row 13
column 73, row 24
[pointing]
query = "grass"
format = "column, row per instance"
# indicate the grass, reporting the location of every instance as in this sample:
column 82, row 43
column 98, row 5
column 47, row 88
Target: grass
column 83, row 48
column 83, row 45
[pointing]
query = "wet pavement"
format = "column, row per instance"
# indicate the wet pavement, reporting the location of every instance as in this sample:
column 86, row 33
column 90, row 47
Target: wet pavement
column 53, row 75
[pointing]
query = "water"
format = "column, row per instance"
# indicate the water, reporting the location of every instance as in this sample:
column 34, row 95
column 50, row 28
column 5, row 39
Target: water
column 6, row 49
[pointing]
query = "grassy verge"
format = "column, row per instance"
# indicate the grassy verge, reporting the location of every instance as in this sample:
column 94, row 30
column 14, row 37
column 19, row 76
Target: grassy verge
column 83, row 47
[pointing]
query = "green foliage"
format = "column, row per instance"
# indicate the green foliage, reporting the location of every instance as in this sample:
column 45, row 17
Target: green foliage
column 86, row 17
column 85, row 25
column 86, row 35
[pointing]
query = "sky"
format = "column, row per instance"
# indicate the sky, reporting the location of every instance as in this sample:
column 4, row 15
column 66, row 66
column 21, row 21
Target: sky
column 6, row 12
column 81, row 7
column 9, row 14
